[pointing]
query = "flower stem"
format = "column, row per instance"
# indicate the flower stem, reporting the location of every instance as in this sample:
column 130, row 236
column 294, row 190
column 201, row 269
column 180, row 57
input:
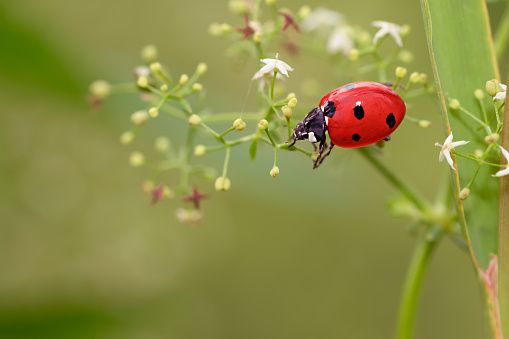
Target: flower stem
column 411, row 289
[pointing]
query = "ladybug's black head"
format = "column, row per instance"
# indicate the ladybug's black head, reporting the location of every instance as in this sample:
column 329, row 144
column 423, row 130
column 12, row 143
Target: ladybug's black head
column 312, row 128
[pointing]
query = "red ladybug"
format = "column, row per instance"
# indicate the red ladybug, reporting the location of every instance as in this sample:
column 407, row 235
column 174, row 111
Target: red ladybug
column 355, row 115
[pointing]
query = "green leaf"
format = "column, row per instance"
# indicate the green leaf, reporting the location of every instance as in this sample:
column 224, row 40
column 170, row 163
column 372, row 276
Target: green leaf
column 252, row 149
column 463, row 59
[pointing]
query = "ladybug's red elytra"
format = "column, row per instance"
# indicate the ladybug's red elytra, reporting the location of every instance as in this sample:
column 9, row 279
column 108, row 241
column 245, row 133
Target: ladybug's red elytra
column 355, row 115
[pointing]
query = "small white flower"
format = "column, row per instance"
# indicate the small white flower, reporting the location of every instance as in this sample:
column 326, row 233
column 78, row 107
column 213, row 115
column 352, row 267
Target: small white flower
column 339, row 41
column 321, row 19
column 504, row 171
column 389, row 28
column 501, row 95
column 448, row 145
column 272, row 64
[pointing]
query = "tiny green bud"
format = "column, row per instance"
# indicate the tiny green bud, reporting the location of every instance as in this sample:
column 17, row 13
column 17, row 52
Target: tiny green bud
column 139, row 117
column 401, row 72
column 126, row 138
column 100, row 89
column 215, row 29
column 287, row 111
column 184, row 78
column 222, row 184
column 424, row 78
column 194, row 120
column 163, row 88
column 492, row 138
column 136, row 159
column 142, row 82
column 415, row 77
column 225, row 28
column 257, row 37
column 270, row 2
column 155, row 67
column 199, row 150
column 304, row 12
column 464, row 193
column 237, row 7
column 405, row 30
column 292, row 102
column 290, row 96
column 478, row 153
column 202, row 68
column 424, row 123
column 239, row 124
column 153, row 112
column 454, row 104
column 405, row 56
column 263, row 124
column 354, row 54
column 492, row 87
column 149, row 53
column 197, row 87
column 274, row 171
column 479, row 94
column 162, row 144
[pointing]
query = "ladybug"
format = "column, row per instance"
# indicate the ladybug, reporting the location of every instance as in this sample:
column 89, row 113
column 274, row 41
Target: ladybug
column 354, row 115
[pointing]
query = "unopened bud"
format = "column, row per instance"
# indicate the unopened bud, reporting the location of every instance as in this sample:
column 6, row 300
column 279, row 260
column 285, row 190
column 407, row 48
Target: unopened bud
column 424, row 123
column 100, row 89
column 215, row 29
column 199, row 150
column 405, row 30
column 139, row 117
column 222, row 184
column 225, row 28
column 424, row 78
column 155, row 67
column 400, row 72
column 149, row 53
column 287, row 111
column 354, row 54
column 479, row 94
column 202, row 68
column 194, row 120
column 492, row 138
column 162, row 144
column 492, row 87
column 239, row 124
column 184, row 78
column 163, row 88
column 147, row 186
column 415, row 77
column 136, row 159
column 454, row 104
column 405, row 56
column 257, row 37
column 126, row 138
column 290, row 96
column 478, row 153
column 238, row 6
column 263, row 124
column 197, row 87
column 154, row 112
column 270, row 2
column 292, row 103
column 274, row 171
column 142, row 82
column 464, row 193
column 304, row 12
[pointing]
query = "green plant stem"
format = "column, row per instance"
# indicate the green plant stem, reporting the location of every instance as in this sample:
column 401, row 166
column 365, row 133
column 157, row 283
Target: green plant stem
column 502, row 34
column 412, row 287
column 413, row 196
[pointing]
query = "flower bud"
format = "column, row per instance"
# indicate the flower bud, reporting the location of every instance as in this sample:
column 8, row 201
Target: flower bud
column 100, row 89
column 405, row 30
column 263, row 124
column 454, row 104
column 415, row 77
column 287, row 111
column 149, row 53
column 136, row 159
column 126, row 138
column 492, row 87
column 405, row 56
column 237, row 7
column 239, row 124
column 290, row 96
column 153, row 112
column 142, row 82
column 199, row 150
column 274, row 171
column 257, row 37
column 292, row 102
column 270, row 2
column 424, row 123
column 155, row 67
column 304, row 12
column 492, row 138
column 225, row 28
column 163, row 88
column 202, row 68
column 464, row 193
column 478, row 153
column 147, row 186
column 215, row 29
column 401, row 72
column 479, row 94
column 222, row 184
column 162, row 144
column 354, row 54
column 424, row 78
column 184, row 78
column 139, row 117
column 194, row 120
column 197, row 87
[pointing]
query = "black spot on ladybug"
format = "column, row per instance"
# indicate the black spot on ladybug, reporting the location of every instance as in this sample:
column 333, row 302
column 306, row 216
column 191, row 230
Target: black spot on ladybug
column 356, row 137
column 329, row 109
column 358, row 111
column 391, row 120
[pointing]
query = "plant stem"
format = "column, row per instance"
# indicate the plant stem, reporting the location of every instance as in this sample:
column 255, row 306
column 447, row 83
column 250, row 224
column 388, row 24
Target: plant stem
column 412, row 287
column 413, row 196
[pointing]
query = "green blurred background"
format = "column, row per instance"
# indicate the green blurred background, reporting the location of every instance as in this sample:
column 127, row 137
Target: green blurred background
column 311, row 254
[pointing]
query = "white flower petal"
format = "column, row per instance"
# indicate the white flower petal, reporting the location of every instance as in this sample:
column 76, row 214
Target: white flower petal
column 500, row 95
column 447, row 155
column 267, row 60
column 339, row 41
column 448, row 140
column 501, row 173
column 441, row 156
column 502, row 87
column 458, row 143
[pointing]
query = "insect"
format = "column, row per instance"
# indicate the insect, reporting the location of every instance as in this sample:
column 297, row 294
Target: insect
column 354, row 115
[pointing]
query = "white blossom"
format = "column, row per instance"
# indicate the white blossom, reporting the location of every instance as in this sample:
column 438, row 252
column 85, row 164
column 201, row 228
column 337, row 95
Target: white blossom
column 448, row 145
column 321, row 19
column 388, row 28
column 270, row 65
column 504, row 171
column 339, row 41
column 501, row 95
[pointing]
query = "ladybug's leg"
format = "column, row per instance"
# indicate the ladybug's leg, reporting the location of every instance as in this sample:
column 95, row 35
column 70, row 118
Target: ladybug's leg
column 318, row 160
column 326, row 154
